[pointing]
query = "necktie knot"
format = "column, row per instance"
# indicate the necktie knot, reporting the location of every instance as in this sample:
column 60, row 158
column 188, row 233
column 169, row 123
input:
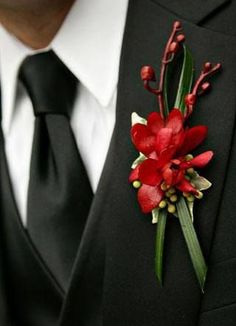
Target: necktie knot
column 49, row 83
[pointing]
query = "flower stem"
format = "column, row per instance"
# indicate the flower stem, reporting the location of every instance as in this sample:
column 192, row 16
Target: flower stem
column 199, row 82
column 167, row 58
column 160, row 236
column 148, row 75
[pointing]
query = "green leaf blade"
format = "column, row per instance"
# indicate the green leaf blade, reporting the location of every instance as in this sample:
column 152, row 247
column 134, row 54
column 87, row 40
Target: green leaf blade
column 186, row 80
column 160, row 237
column 192, row 242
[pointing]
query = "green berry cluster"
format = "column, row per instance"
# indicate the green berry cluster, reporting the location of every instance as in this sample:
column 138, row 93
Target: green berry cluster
column 171, row 194
column 170, row 198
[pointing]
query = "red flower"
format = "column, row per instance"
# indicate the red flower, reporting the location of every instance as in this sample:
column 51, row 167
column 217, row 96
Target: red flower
column 165, row 143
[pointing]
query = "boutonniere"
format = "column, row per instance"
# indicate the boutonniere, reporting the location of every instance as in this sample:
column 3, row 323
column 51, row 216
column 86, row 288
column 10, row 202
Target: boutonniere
column 166, row 173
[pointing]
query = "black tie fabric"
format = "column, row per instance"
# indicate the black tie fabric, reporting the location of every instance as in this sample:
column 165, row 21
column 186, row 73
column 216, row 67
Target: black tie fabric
column 59, row 193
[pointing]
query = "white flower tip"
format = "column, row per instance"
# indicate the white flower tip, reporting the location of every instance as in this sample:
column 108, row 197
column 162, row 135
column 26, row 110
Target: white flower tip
column 154, row 220
column 135, row 118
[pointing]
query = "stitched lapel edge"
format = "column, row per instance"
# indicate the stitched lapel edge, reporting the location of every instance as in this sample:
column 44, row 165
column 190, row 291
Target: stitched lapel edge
column 195, row 10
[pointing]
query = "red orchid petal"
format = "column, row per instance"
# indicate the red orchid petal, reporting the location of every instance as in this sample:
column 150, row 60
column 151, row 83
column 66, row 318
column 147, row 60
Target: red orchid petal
column 153, row 155
column 165, row 156
column 185, row 186
column 185, row 165
column 155, row 122
column 148, row 173
column 134, row 174
column 163, row 139
column 143, row 140
column 178, row 139
column 149, row 197
column 175, row 177
column 176, row 161
column 201, row 160
column 175, row 121
column 168, row 176
column 179, row 176
column 193, row 137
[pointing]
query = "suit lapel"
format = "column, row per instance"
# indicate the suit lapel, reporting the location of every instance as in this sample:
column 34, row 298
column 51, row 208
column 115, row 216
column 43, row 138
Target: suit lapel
column 113, row 277
column 4, row 314
column 192, row 10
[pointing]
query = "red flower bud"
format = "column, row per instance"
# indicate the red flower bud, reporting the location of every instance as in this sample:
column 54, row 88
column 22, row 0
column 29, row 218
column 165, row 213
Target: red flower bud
column 180, row 38
column 190, row 99
column 177, row 25
column 147, row 73
column 207, row 66
column 174, row 47
column 205, row 86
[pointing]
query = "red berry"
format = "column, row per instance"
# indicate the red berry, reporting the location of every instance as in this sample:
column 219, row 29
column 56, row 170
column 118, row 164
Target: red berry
column 190, row 99
column 177, row 25
column 180, row 38
column 205, row 86
column 207, row 66
column 147, row 73
column 174, row 47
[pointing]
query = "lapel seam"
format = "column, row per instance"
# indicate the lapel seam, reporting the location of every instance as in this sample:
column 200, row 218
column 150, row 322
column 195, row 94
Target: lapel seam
column 197, row 19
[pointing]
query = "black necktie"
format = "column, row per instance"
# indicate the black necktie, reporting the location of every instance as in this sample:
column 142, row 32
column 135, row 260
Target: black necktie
column 59, row 194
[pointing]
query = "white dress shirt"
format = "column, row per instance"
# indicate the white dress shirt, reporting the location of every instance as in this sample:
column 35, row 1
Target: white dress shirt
column 89, row 43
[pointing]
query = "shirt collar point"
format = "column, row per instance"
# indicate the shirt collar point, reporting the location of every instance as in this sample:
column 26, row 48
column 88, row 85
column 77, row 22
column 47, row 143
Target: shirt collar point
column 103, row 93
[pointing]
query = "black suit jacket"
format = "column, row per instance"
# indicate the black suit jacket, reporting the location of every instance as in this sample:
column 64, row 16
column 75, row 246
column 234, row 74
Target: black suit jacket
column 113, row 281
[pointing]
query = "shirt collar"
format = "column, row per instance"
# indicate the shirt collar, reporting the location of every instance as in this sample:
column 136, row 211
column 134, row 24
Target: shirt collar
column 12, row 53
column 89, row 43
